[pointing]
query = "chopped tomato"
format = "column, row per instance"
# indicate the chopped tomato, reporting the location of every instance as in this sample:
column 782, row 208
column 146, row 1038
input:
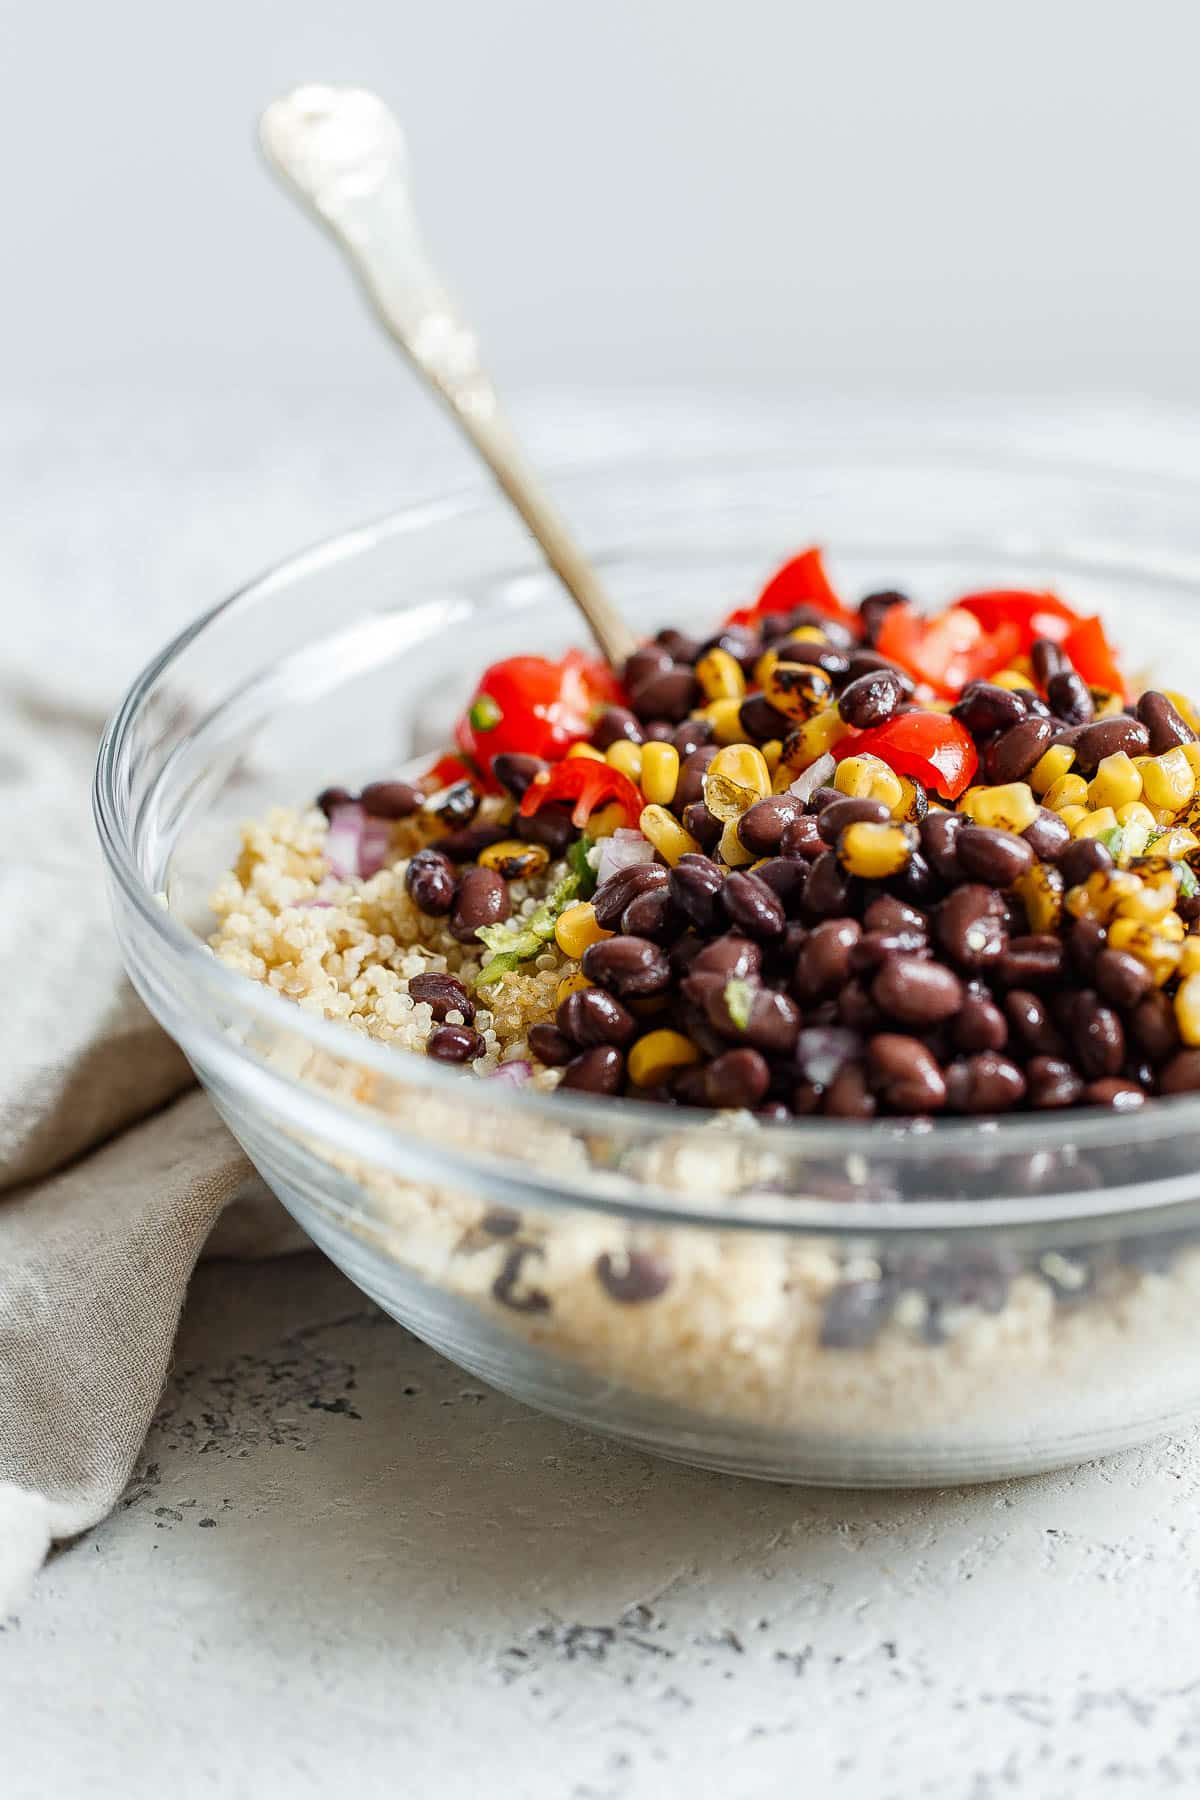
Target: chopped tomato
column 449, row 769
column 1034, row 615
column 531, row 705
column 931, row 747
column 589, row 784
column 1089, row 649
column 947, row 651
column 802, row 581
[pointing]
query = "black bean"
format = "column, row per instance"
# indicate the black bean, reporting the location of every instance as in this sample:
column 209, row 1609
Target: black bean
column 739, row 640
column 514, row 771
column 823, row 797
column 391, row 799
column 1052, row 1082
column 454, row 1044
column 1182, row 1074
column 843, row 812
column 445, row 994
column 1032, row 960
column 871, row 698
column 499, row 1222
column 633, row 1276
column 482, row 899
column 1154, row 1028
column 1085, row 941
column 855, row 1314
column 1097, row 1037
column 549, row 1045
column 772, row 1024
column 752, row 906
column 690, row 785
column 760, row 721
column 869, row 662
column 906, row 1073
column 504, row 1288
column 802, row 839
column 590, row 1016
column 653, row 915
column 887, row 913
column 830, row 658
column 761, row 826
column 678, row 644
column 1015, row 752
column 980, row 1025
column 615, row 725
column 431, row 883
column 669, row 694
column 1031, row 1022
column 599, row 1070
column 737, row 1078
column 651, row 659
column 613, row 895
column 1049, row 837
column 998, row 858
column 688, row 1088
column 730, row 956
column 986, row 1083
column 917, row 882
column 939, row 838
column 630, row 967
column 787, row 877
column 1121, row 978
column 829, row 887
column 658, row 731
column 464, row 846
column 823, row 965
column 1163, row 721
column 1114, row 1092
column 874, row 608
column 695, row 885
column 874, row 948
column 691, row 736
column 970, row 926
column 1107, row 736
column 457, row 804
column 848, row 1096
column 704, row 826
column 823, row 1051
column 984, row 708
column 856, row 1010
column 551, row 826
column 332, row 797
column 1070, row 699
column 1048, row 659
column 916, row 992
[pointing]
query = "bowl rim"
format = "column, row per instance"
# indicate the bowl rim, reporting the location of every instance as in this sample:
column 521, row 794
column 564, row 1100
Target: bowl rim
column 897, row 1139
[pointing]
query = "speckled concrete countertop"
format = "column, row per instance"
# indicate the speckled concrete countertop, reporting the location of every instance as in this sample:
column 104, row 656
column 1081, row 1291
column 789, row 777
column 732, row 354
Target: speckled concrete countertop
column 345, row 1567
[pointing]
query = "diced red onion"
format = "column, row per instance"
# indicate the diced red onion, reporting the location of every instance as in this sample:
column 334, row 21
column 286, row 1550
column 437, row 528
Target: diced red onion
column 822, row 1051
column 373, row 846
column 514, row 1073
column 625, row 849
column 355, row 845
column 815, row 776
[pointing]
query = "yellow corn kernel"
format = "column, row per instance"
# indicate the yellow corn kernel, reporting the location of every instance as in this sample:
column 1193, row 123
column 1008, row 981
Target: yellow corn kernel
column 731, row 849
column 720, row 676
column 815, row 738
column 1192, row 752
column 744, row 764
column 1052, row 766
column 772, row 751
column 571, row 984
column 763, row 667
column 798, row 690
column 1172, row 928
column 1106, row 705
column 1041, row 891
column 1168, row 780
column 1116, row 782
column 660, row 773
column 1102, row 893
column 1176, row 843
column 868, row 778
column 727, row 800
column 588, row 751
column 667, row 834
column 1189, row 959
column 914, row 801
column 1187, row 1009
column 1136, row 813
column 658, row 1055
column 1149, row 906
column 1138, row 826
column 1163, row 816
column 876, row 851
column 514, row 860
column 1008, row 808
column 1151, row 946
column 807, row 634
column 1185, row 706
column 725, row 717
column 1013, row 679
column 626, row 757
column 1068, row 790
column 606, row 820
column 576, row 928
column 1071, row 815
column 1095, row 823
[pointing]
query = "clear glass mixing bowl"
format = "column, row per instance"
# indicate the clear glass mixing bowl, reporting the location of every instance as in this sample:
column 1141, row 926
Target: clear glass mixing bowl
column 852, row 1304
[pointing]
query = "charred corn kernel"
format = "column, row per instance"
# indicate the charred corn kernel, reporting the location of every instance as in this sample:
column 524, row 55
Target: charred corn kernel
column 1094, row 823
column 798, row 690
column 914, row 801
column 725, row 717
column 763, row 667
column 576, row 928
column 1008, row 808
column 868, row 778
column 1068, row 790
column 727, row 800
column 607, row 820
column 1151, row 945
column 731, row 849
column 587, row 751
column 1168, row 780
column 1102, row 893
column 720, row 675
column 1149, row 906
column 1071, row 815
column 660, row 773
column 1013, row 679
column 626, row 757
column 772, row 751
column 571, row 984
column 1187, row 1009
column 1137, row 827
column 746, row 765
column 1106, row 705
column 1116, row 782
column 667, row 834
column 1177, row 843
column 1041, row 890
column 514, row 860
column 1189, row 958
column 815, row 738
column 1051, row 767
column 1185, row 706
column 1163, row 816
column 658, row 1055
column 875, row 851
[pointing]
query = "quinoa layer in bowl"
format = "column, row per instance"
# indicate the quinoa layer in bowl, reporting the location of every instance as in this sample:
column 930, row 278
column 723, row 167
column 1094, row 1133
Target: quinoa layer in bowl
column 856, row 1296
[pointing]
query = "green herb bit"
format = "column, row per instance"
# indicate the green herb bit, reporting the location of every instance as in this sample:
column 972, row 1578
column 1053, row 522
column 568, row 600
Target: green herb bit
column 577, row 861
column 739, row 998
column 484, row 713
column 1113, row 841
column 1189, row 887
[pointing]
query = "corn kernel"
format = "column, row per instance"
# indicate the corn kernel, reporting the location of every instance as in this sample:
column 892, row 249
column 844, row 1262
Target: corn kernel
column 727, row 800
column 570, row 984
column 807, row 634
column 588, row 752
column 874, row 852
column 914, row 801
column 1168, row 779
column 1189, row 960
column 660, row 773
column 1095, row 823
column 626, row 757
column 1138, row 826
column 658, row 1055
column 1136, row 812
column 1153, row 948
column 725, row 717
column 868, row 778
column 815, row 738
column 1068, row 790
column 1008, row 808
column 798, row 690
column 515, row 860
column 1187, row 1009
column 772, row 751
column 1177, row 843
column 720, row 675
column 731, row 849
column 1014, row 679
column 1041, row 891
column 1192, row 752
column 763, row 667
column 1149, row 906
column 1116, row 782
column 1102, row 893
column 1104, row 704
column 1071, row 815
column 1051, row 767
column 607, row 819
column 667, row 834
column 576, row 928
column 1185, row 706
column 746, row 765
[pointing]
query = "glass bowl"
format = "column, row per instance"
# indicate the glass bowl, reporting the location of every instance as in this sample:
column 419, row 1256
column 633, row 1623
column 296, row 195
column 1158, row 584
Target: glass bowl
column 885, row 1304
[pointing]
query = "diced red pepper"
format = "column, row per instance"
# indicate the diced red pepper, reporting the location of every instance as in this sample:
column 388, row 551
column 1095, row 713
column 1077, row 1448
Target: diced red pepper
column 946, row 651
column 930, row 747
column 1035, row 615
column 530, row 705
column 589, row 784
column 1089, row 649
column 449, row 769
column 802, row 581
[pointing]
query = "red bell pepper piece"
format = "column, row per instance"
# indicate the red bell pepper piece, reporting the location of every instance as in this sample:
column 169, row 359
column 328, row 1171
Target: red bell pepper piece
column 946, row 651
column 1034, row 615
column 802, row 581
column 1089, row 649
column 449, row 769
column 589, row 784
column 532, row 705
column 931, row 747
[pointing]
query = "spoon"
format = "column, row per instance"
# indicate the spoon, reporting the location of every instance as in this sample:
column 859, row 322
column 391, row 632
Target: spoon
column 341, row 150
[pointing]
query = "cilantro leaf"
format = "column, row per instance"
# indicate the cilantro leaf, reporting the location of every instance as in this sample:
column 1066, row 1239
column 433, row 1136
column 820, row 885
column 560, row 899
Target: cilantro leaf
column 577, row 860
column 739, row 998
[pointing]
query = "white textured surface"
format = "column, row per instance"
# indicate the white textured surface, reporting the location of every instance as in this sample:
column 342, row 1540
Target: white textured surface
column 343, row 1566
